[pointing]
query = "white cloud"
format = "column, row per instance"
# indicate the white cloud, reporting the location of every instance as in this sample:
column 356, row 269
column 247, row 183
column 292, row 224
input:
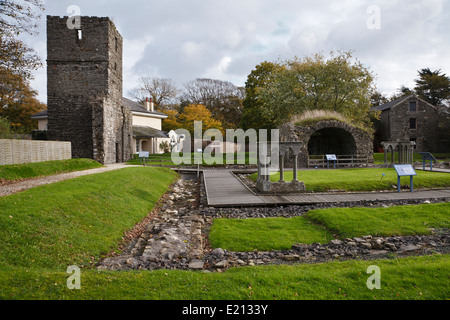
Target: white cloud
column 185, row 40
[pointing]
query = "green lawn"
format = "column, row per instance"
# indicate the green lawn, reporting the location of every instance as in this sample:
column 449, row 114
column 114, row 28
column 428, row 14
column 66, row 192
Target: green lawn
column 379, row 157
column 362, row 179
column 398, row 220
column 155, row 159
column 320, row 226
column 265, row 234
column 419, row 278
column 78, row 220
column 40, row 169
column 45, row 230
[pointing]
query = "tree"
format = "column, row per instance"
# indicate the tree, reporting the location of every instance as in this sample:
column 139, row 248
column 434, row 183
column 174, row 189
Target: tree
column 253, row 115
column 17, row 17
column 432, row 86
column 18, row 102
column 171, row 122
column 198, row 112
column 338, row 84
column 222, row 98
column 163, row 91
column 5, row 128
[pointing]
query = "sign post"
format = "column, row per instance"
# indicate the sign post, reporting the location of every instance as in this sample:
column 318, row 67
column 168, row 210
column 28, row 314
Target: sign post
column 331, row 157
column 405, row 170
column 426, row 156
column 143, row 155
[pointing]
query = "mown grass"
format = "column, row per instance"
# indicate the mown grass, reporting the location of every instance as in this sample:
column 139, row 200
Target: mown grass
column 418, row 278
column 265, row 234
column 379, row 157
column 398, row 220
column 78, row 220
column 320, row 226
column 362, row 179
column 216, row 159
column 41, row 169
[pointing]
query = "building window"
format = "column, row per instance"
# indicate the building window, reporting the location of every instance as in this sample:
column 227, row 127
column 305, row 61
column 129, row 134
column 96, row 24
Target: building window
column 138, row 145
column 415, row 141
column 413, row 123
column 413, row 106
column 79, row 34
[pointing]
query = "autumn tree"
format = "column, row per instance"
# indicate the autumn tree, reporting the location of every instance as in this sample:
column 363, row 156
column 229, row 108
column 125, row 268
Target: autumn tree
column 18, row 17
column 198, row 112
column 18, row 102
column 171, row 122
column 163, row 91
column 222, row 98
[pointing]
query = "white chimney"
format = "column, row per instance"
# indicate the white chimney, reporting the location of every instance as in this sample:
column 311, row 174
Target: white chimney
column 149, row 105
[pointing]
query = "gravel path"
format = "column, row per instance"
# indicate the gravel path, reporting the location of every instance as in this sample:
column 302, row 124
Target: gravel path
column 12, row 188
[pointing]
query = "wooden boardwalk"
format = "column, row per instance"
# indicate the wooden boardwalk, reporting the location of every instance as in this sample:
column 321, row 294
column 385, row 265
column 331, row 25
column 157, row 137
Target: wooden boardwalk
column 224, row 189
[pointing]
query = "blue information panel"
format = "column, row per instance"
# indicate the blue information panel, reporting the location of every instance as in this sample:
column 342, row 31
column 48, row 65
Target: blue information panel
column 405, row 170
column 144, row 154
column 331, row 157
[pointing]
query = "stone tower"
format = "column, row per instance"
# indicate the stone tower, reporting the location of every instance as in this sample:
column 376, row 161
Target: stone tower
column 84, row 89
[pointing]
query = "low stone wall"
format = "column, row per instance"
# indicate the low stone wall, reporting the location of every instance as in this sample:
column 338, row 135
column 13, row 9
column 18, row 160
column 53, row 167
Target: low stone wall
column 30, row 151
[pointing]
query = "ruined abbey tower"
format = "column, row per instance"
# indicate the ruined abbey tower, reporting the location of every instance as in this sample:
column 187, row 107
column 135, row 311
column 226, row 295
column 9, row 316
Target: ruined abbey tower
column 84, row 89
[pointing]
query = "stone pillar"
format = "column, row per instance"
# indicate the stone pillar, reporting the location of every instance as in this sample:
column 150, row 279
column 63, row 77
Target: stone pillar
column 295, row 179
column 282, row 168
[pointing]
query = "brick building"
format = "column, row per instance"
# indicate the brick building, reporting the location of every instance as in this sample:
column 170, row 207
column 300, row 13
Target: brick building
column 84, row 75
column 412, row 119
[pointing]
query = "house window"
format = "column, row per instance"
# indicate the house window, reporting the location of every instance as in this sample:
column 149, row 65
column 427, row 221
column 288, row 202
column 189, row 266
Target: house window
column 413, row 123
column 413, row 106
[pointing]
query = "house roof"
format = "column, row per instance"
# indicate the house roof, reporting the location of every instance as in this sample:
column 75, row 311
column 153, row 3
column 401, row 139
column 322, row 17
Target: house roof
column 393, row 103
column 136, row 107
column 390, row 104
column 40, row 115
column 133, row 106
column 140, row 132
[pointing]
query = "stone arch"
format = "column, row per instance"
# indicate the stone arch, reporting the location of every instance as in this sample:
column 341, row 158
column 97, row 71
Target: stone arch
column 329, row 137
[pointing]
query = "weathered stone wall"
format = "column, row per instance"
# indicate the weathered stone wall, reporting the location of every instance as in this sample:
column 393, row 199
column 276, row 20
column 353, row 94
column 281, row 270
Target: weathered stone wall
column 85, row 89
column 427, row 124
column 363, row 141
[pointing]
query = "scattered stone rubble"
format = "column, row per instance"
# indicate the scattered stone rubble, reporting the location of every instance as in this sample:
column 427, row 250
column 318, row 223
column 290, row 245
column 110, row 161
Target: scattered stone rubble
column 176, row 238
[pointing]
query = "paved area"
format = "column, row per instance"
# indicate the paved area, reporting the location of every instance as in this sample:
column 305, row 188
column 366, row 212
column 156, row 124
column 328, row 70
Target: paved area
column 224, row 189
column 9, row 189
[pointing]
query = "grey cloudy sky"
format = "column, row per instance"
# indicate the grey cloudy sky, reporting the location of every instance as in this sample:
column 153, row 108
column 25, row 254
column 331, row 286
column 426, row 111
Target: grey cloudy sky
column 188, row 39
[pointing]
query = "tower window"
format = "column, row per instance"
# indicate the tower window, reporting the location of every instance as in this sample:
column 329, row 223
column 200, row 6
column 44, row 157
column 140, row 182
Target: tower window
column 79, row 34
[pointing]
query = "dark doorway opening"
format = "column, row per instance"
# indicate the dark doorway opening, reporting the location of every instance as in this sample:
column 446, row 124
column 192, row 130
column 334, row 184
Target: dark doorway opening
column 332, row 141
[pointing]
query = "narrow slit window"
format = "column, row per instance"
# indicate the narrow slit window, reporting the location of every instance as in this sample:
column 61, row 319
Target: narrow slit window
column 79, row 35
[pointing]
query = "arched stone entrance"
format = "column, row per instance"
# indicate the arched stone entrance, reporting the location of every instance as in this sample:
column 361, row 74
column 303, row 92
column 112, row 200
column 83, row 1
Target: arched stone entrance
column 332, row 141
column 329, row 137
